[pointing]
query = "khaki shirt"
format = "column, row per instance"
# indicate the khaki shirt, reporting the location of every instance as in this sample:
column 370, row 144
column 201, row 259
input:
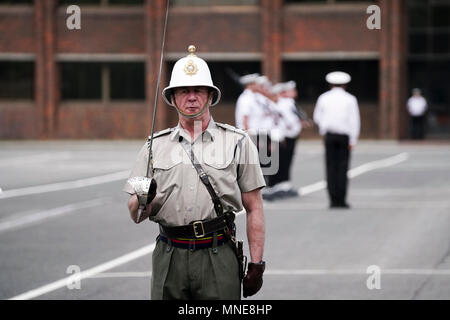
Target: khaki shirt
column 226, row 154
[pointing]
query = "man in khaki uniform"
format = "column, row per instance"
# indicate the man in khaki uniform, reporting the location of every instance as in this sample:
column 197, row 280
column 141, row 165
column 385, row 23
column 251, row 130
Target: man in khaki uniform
column 194, row 257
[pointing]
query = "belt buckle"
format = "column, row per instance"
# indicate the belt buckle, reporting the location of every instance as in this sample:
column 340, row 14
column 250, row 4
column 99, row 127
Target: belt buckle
column 196, row 232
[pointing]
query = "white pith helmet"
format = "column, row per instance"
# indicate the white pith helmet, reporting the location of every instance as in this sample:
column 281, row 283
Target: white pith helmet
column 191, row 71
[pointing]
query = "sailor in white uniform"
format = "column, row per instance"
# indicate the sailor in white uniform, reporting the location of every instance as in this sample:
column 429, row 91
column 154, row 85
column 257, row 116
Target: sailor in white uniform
column 337, row 115
column 290, row 126
column 246, row 101
column 263, row 127
column 417, row 107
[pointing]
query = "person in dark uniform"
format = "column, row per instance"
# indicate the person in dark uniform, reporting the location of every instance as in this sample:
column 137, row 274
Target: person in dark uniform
column 337, row 115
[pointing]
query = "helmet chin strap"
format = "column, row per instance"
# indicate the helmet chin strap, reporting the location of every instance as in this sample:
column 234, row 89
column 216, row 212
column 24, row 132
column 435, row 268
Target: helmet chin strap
column 193, row 115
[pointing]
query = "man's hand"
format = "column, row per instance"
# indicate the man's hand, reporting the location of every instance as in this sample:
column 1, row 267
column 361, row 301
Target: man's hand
column 252, row 202
column 253, row 280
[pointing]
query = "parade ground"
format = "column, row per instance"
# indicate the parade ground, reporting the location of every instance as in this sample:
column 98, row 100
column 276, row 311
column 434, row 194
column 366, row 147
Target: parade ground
column 65, row 231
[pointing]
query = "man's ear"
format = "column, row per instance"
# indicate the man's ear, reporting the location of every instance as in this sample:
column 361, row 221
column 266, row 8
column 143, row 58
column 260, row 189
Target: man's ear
column 210, row 96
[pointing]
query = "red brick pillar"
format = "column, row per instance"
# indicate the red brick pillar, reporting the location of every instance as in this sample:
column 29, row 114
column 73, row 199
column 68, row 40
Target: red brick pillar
column 271, row 38
column 46, row 91
column 39, row 74
column 400, row 49
column 155, row 11
column 393, row 69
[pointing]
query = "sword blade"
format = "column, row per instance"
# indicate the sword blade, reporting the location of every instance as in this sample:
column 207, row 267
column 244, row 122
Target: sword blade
column 150, row 155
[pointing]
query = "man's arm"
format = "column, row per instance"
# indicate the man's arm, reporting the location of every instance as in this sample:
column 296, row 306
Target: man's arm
column 245, row 123
column 252, row 202
column 133, row 206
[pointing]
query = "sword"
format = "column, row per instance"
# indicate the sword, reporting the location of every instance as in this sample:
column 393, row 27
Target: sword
column 150, row 154
column 142, row 207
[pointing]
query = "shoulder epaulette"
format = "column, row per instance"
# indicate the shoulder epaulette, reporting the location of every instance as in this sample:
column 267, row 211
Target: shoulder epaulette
column 231, row 128
column 161, row 133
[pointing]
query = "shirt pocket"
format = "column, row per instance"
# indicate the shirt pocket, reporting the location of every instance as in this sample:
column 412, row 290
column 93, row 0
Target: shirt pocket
column 168, row 174
column 221, row 169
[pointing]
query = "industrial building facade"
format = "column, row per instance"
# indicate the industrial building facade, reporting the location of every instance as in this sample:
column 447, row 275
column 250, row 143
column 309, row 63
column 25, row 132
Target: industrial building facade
column 98, row 82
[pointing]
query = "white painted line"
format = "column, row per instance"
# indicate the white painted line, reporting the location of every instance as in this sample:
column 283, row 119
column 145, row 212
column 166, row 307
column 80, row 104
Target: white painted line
column 361, row 205
column 297, row 272
column 90, row 273
column 384, row 163
column 86, row 274
column 25, row 219
column 312, row 188
column 370, row 166
column 67, row 185
column 33, row 159
column 143, row 274
column 319, row 272
column 109, row 265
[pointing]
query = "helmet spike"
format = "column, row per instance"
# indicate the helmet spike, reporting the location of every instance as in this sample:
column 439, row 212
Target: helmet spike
column 191, row 50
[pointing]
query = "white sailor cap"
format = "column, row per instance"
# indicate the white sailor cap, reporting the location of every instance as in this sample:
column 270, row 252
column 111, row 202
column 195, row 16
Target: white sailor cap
column 248, row 78
column 290, row 85
column 284, row 86
column 263, row 80
column 277, row 88
column 338, row 77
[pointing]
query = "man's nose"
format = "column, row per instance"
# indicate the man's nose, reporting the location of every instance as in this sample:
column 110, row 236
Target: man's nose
column 192, row 96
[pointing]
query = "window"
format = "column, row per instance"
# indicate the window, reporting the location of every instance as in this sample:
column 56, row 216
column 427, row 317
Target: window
column 326, row 1
column 16, row 2
column 213, row 2
column 429, row 59
column 16, row 80
column 429, row 29
column 103, row 81
column 101, row 2
column 78, row 2
column 81, row 81
column 310, row 78
column 127, row 81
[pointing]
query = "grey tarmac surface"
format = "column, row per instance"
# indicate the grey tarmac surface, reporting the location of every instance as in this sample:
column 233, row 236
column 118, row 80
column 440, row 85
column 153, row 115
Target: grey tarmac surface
column 399, row 222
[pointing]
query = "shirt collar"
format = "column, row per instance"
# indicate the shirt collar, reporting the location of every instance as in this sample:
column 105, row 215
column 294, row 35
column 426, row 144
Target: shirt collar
column 207, row 135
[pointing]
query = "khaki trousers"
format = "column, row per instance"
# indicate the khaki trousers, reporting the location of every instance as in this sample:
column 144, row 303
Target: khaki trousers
column 203, row 274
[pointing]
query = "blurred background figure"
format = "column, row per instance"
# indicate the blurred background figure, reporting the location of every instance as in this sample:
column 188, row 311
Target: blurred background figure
column 337, row 115
column 417, row 107
column 246, row 101
column 290, row 126
column 265, row 122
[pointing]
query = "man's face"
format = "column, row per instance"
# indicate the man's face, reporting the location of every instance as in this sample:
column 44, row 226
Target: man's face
column 191, row 100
